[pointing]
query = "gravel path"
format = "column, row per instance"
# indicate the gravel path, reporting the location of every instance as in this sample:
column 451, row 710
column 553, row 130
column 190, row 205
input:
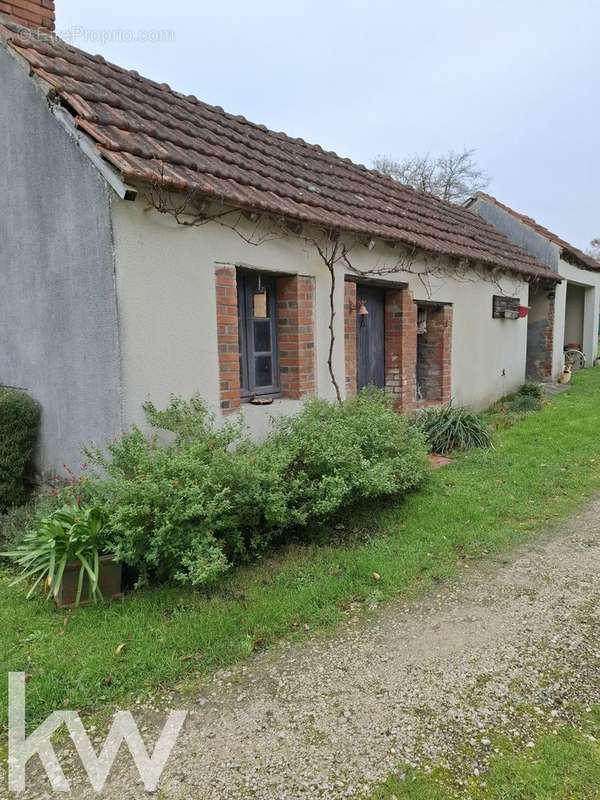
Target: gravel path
column 507, row 647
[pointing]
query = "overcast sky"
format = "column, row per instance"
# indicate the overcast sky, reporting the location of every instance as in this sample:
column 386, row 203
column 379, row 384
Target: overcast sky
column 517, row 79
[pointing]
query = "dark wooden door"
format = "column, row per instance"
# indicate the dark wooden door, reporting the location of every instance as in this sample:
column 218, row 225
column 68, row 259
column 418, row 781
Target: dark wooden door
column 370, row 339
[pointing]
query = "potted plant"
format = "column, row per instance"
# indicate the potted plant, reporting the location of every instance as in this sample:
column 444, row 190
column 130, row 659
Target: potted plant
column 67, row 554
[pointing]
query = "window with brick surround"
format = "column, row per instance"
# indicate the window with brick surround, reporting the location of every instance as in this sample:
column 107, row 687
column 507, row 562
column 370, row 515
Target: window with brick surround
column 257, row 315
column 265, row 332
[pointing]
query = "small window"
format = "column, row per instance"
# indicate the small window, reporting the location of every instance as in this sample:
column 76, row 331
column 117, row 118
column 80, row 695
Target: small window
column 259, row 372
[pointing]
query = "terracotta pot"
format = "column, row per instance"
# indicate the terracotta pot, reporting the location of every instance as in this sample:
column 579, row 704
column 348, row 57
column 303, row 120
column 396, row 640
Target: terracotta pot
column 109, row 583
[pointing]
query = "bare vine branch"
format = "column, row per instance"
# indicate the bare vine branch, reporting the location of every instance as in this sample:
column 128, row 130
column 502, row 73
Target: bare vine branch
column 193, row 209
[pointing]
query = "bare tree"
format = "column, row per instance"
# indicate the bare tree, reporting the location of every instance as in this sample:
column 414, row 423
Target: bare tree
column 594, row 248
column 453, row 176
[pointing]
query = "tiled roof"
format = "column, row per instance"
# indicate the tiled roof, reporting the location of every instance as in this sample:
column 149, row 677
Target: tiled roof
column 586, row 261
column 149, row 132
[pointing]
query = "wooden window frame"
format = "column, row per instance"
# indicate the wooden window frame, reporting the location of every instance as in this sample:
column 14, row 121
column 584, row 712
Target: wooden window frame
column 247, row 283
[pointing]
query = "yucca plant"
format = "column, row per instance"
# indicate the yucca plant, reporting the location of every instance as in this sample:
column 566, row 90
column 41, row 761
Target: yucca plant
column 453, row 428
column 69, row 534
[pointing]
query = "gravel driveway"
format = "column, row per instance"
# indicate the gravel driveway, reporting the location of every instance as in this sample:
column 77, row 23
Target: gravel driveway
column 506, row 647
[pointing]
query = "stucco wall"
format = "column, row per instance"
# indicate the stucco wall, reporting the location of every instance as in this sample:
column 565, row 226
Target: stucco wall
column 548, row 252
column 574, row 313
column 590, row 283
column 58, row 331
column 165, row 280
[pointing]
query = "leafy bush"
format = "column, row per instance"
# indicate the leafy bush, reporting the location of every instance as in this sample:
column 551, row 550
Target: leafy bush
column 19, row 424
column 163, row 508
column 531, row 390
column 453, row 428
column 528, row 398
column 19, row 519
column 331, row 455
column 509, row 410
column 189, row 509
column 68, row 534
column 524, row 403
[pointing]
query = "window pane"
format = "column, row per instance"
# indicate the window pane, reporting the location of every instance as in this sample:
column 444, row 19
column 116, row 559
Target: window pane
column 262, row 337
column 263, row 371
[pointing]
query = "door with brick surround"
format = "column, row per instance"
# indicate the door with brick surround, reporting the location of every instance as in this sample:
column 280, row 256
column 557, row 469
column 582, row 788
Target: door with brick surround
column 370, row 337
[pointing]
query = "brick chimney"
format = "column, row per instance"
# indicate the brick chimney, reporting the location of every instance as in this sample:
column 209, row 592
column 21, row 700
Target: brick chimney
column 32, row 13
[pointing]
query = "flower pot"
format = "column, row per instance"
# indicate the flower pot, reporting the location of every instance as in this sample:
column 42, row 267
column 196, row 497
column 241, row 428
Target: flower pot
column 109, row 583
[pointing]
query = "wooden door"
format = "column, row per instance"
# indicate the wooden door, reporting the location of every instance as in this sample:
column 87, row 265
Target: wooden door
column 370, row 338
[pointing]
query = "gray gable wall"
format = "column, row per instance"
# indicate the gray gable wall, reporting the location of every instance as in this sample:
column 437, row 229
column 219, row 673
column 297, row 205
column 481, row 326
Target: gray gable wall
column 58, row 310
column 518, row 233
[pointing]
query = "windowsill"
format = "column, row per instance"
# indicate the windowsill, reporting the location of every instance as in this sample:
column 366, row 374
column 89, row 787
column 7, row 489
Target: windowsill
column 247, row 399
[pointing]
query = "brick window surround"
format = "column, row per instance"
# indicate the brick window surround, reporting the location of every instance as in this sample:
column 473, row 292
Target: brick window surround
column 228, row 337
column 31, row 13
column 400, row 337
column 351, row 365
column 295, row 336
column 401, row 347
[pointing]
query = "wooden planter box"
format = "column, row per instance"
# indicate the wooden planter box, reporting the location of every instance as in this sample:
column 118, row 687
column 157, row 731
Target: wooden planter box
column 109, row 583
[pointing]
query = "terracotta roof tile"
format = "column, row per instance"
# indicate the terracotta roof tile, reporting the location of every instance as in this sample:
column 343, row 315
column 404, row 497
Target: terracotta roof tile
column 586, row 261
column 151, row 133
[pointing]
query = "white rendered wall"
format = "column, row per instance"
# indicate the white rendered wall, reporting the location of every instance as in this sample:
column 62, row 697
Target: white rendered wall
column 167, row 314
column 574, row 314
column 591, row 282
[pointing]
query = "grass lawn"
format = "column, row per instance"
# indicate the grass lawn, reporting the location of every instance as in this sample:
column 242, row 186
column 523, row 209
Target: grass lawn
column 562, row 767
column 540, row 471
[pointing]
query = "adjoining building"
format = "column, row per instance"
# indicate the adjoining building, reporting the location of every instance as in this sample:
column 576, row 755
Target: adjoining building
column 566, row 317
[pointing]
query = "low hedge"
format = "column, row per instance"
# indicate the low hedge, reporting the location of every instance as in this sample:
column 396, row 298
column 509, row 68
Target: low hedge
column 189, row 509
column 19, row 426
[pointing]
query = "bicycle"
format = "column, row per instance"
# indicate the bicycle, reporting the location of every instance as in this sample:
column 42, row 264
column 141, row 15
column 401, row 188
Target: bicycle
column 574, row 359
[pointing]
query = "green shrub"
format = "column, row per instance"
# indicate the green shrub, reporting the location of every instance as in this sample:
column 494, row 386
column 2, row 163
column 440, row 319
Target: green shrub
column 68, row 534
column 453, row 428
column 527, row 399
column 19, row 425
column 531, row 390
column 331, row 455
column 19, row 519
column 188, row 509
column 524, row 403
